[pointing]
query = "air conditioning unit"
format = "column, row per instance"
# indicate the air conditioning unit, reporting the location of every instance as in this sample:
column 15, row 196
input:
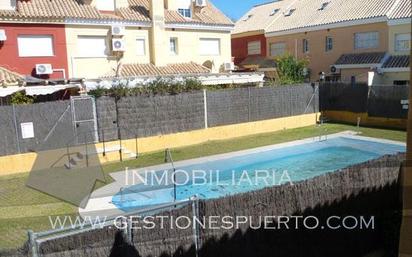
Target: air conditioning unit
column 333, row 69
column 44, row 69
column 200, row 3
column 118, row 30
column 118, row 45
column 229, row 66
column 3, row 36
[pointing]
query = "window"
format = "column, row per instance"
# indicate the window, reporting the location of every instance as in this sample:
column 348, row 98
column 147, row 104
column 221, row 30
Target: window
column 403, row 42
column 140, row 46
column 173, row 45
column 253, row 47
column 277, row 49
column 328, row 44
column 274, row 12
column 305, row 43
column 91, row 46
column 105, row 5
column 184, row 7
column 209, row 46
column 289, row 12
column 366, row 40
column 185, row 12
column 323, row 6
column 248, row 17
column 35, row 45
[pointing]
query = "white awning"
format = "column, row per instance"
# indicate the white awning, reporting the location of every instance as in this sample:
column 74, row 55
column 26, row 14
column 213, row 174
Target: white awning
column 47, row 90
column 9, row 91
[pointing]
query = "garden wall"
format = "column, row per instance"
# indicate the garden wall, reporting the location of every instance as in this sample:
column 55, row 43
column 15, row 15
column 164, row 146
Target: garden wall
column 145, row 116
column 375, row 105
column 370, row 189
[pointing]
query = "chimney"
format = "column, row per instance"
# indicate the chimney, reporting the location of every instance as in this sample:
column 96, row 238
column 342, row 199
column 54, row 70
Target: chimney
column 159, row 42
column 122, row 3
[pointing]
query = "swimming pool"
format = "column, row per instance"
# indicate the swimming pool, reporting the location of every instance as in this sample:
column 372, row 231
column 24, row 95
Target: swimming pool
column 253, row 170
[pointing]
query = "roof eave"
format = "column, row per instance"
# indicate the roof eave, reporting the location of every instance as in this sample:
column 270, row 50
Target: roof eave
column 199, row 26
column 327, row 26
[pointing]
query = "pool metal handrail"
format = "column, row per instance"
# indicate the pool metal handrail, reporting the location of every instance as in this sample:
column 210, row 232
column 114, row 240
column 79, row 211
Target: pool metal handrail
column 169, row 158
column 37, row 238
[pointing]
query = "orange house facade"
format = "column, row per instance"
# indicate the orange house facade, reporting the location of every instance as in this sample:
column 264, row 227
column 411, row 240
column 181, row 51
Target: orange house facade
column 342, row 40
column 322, row 48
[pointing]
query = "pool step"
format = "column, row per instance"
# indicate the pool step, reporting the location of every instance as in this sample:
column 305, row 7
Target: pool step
column 80, row 157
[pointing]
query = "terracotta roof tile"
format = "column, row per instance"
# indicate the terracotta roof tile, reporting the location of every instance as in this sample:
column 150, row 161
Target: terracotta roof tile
column 138, row 10
column 62, row 9
column 361, row 58
column 402, row 10
column 308, row 13
column 261, row 16
column 397, row 61
column 9, row 78
column 259, row 61
column 140, row 70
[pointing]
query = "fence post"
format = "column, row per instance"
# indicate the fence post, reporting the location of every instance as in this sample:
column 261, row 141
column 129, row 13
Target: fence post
column 248, row 108
column 16, row 128
column 205, row 107
column 129, row 231
column 32, row 243
column 196, row 236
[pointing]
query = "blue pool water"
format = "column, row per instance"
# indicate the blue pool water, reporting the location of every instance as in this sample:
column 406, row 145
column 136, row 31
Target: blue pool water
column 254, row 171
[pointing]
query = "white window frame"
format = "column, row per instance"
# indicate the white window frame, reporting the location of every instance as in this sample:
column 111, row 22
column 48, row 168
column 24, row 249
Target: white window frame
column 185, row 12
column 35, row 45
column 138, row 52
column 174, row 46
column 202, row 51
column 402, row 39
column 305, row 44
column 254, row 47
column 328, row 44
column 92, row 54
column 105, row 5
column 366, row 40
column 280, row 49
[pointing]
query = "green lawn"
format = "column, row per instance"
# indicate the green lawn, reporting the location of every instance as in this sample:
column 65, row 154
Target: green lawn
column 22, row 208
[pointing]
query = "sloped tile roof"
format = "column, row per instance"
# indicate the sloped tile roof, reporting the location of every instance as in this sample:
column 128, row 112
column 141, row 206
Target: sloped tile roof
column 397, row 61
column 140, row 70
column 138, row 10
column 259, row 61
column 8, row 78
column 206, row 15
column 361, row 58
column 259, row 17
column 402, row 10
column 308, row 13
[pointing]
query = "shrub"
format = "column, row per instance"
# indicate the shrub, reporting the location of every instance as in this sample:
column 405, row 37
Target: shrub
column 290, row 69
column 160, row 86
column 21, row 98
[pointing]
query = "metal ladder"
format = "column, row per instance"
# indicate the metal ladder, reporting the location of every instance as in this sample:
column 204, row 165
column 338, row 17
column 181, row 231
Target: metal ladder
column 169, row 158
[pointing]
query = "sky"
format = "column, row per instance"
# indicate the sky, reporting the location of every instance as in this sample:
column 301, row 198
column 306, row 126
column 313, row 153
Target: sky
column 235, row 9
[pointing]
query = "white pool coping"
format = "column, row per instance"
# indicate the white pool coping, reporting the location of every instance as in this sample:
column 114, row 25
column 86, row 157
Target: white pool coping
column 100, row 200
